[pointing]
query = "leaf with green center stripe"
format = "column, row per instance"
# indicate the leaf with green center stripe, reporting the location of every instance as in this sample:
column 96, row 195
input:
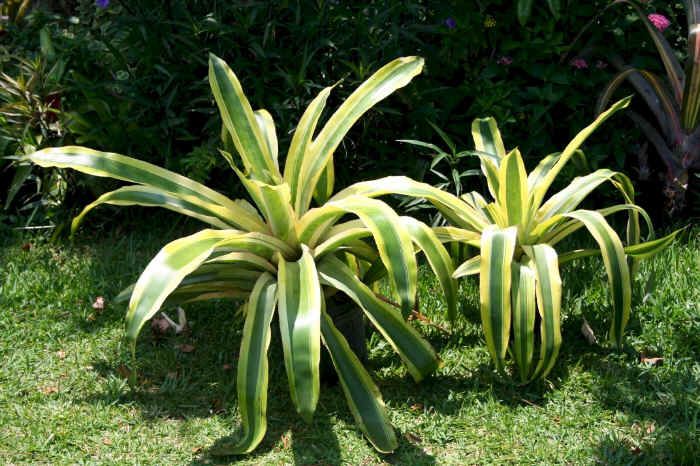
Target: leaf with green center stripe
column 380, row 85
column 548, row 292
column 497, row 249
column 537, row 175
column 152, row 197
column 267, row 128
column 348, row 233
column 487, row 137
column 616, row 267
column 393, row 242
column 554, row 230
column 301, row 141
column 438, row 259
column 363, row 397
column 257, row 243
column 244, row 258
column 469, row 267
column 252, row 376
column 490, row 149
column 417, row 354
column 638, row 251
column 453, row 208
column 299, row 308
column 542, row 187
column 241, row 122
column 570, row 197
column 165, row 272
column 512, row 191
column 524, row 308
column 121, row 167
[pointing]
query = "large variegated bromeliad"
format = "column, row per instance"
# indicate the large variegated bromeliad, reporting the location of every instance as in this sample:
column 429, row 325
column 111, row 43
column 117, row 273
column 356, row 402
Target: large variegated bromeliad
column 516, row 233
column 281, row 254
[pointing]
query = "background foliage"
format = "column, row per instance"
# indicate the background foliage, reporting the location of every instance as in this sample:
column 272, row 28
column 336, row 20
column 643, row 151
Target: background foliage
column 135, row 76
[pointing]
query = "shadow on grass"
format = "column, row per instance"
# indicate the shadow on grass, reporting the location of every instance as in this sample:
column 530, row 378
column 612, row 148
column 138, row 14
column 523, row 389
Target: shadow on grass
column 662, row 405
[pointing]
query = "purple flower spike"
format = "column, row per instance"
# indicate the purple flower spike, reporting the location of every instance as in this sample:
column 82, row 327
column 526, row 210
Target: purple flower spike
column 102, row 3
column 450, row 23
column 660, row 22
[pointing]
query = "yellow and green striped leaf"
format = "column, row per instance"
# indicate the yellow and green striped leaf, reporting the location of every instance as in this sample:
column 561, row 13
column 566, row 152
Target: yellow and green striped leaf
column 438, row 259
column 257, row 243
column 497, row 249
column 299, row 306
column 570, row 197
column 341, row 235
column 616, row 267
column 267, row 128
column 241, row 122
column 363, row 397
column 469, row 267
column 301, row 142
column 252, row 373
column 394, row 75
column 393, row 242
column 487, row 137
column 149, row 196
column 513, row 196
column 490, row 150
column 120, row 167
column 458, row 212
column 524, row 308
column 245, row 259
column 537, row 175
column 638, row 251
column 416, row 353
column 540, row 190
column 165, row 272
column 548, row 292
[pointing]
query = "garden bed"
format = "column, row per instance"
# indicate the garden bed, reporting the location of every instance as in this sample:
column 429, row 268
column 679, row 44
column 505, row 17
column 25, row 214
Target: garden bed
column 65, row 396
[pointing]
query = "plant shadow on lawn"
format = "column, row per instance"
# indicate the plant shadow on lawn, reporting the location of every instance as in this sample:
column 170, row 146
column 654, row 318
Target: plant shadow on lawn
column 661, row 404
column 177, row 385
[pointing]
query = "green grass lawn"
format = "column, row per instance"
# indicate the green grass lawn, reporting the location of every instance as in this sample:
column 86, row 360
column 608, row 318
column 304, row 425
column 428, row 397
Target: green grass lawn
column 64, row 397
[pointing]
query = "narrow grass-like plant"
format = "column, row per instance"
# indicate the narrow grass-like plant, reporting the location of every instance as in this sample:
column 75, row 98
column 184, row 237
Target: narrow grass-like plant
column 517, row 232
column 282, row 255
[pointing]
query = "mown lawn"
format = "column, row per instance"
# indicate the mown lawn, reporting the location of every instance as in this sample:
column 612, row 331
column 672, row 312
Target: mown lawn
column 64, row 397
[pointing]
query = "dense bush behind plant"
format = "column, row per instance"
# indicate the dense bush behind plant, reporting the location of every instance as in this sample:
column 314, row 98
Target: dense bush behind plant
column 135, row 73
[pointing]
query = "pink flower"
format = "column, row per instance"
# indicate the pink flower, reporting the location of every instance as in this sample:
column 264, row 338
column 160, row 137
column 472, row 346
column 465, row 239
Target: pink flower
column 660, row 22
column 505, row 60
column 579, row 63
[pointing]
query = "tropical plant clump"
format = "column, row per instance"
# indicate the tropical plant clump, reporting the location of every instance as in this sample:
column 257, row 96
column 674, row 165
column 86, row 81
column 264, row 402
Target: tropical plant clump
column 516, row 233
column 281, row 254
